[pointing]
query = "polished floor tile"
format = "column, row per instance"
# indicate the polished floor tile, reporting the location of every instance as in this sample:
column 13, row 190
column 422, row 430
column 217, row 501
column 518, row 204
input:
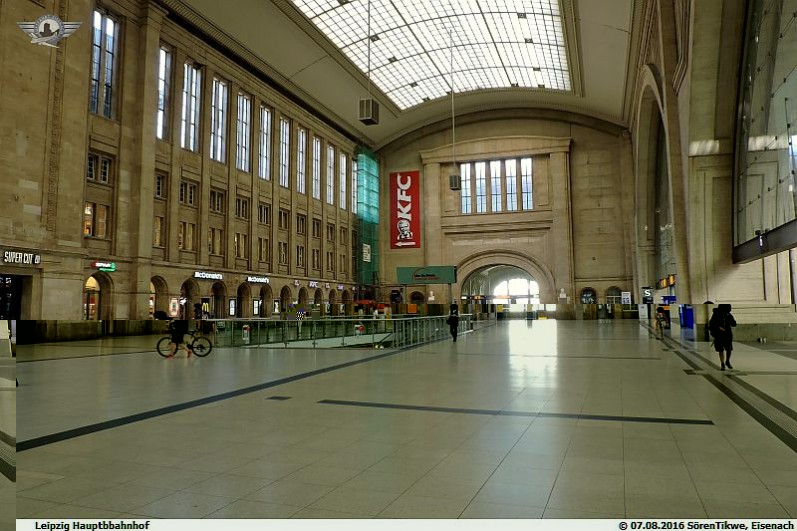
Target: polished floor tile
column 571, row 419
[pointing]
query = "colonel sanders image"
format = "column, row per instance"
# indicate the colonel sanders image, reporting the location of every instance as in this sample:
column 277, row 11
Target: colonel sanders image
column 404, row 232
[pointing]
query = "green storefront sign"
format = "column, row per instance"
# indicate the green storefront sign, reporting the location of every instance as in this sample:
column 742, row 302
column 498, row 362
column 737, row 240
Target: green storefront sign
column 427, row 275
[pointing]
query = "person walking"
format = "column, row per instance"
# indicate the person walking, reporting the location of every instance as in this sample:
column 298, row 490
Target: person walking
column 453, row 321
column 661, row 322
column 720, row 326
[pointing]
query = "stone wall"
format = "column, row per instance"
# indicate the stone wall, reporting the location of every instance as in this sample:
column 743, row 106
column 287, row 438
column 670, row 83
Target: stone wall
column 575, row 237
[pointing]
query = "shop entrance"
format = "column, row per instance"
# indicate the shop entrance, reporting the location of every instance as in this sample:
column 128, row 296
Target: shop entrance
column 11, row 296
column 97, row 297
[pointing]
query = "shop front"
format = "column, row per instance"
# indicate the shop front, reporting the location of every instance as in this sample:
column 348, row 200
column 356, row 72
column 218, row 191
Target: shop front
column 18, row 269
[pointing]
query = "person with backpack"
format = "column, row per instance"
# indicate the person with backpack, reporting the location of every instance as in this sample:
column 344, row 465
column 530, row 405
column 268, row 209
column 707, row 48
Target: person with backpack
column 453, row 321
column 661, row 322
column 719, row 326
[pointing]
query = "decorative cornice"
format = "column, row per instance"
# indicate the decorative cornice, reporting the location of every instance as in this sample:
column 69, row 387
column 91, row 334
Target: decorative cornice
column 497, row 147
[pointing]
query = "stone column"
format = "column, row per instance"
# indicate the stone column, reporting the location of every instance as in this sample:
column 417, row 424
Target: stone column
column 562, row 228
column 143, row 152
column 433, row 197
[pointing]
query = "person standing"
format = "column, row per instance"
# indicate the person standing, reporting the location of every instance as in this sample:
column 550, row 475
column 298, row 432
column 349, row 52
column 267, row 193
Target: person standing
column 453, row 321
column 720, row 326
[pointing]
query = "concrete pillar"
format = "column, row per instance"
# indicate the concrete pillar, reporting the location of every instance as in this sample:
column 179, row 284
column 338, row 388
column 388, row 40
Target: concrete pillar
column 562, row 229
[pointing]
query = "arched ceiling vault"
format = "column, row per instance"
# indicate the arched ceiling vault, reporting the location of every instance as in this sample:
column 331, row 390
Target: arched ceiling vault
column 567, row 55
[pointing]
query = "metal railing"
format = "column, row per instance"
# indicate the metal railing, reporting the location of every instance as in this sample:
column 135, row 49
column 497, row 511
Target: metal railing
column 332, row 333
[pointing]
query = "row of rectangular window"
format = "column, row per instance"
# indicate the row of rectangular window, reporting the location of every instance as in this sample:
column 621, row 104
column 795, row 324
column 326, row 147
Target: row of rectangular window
column 219, row 97
column 475, row 185
column 105, row 38
column 96, row 218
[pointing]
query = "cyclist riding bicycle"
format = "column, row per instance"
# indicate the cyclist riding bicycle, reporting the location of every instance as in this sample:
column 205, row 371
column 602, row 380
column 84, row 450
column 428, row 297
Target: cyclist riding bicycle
column 178, row 328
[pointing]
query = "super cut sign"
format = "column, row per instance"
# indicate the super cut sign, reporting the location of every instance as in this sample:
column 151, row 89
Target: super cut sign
column 405, row 210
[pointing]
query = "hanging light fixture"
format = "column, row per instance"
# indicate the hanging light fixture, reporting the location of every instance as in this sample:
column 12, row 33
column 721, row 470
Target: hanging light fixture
column 369, row 108
column 454, row 179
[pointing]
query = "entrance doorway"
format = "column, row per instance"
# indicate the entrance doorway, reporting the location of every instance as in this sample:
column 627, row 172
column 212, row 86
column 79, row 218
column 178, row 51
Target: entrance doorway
column 10, row 297
column 97, row 297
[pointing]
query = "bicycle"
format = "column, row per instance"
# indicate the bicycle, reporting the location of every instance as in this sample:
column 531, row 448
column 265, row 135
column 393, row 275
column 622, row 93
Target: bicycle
column 197, row 344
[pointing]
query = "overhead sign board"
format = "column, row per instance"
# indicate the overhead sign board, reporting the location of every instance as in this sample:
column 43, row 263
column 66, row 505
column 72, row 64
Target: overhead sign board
column 625, row 297
column 21, row 257
column 427, row 275
column 405, row 210
column 107, row 267
column 647, row 295
column 207, row 275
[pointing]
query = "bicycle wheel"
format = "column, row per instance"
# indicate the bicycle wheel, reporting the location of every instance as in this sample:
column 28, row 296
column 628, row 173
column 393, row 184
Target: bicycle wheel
column 163, row 347
column 201, row 346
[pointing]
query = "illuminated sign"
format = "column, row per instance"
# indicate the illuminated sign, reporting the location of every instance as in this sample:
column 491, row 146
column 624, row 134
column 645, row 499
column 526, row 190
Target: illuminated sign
column 405, row 214
column 313, row 283
column 671, row 280
column 326, row 285
column 341, row 287
column 107, row 267
column 366, row 252
column 20, row 257
column 209, row 276
column 258, row 280
column 296, row 283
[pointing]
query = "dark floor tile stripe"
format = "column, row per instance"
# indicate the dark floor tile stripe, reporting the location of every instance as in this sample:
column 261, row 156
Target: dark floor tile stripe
column 783, row 408
column 510, row 413
column 10, row 440
column 787, row 438
column 36, row 442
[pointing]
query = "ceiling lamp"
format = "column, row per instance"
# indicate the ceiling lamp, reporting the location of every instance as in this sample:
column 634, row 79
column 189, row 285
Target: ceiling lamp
column 455, row 179
column 369, row 108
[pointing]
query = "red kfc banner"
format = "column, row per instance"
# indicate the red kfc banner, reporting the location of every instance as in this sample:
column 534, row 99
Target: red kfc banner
column 405, row 210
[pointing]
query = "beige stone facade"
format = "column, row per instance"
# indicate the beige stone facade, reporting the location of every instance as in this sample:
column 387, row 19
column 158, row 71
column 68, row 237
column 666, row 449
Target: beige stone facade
column 576, row 235
column 592, row 225
column 49, row 132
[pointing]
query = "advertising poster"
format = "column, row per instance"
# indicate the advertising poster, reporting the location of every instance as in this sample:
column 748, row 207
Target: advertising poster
column 405, row 210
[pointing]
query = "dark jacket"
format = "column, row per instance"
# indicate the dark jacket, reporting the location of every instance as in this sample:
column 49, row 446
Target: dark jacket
column 453, row 320
column 721, row 325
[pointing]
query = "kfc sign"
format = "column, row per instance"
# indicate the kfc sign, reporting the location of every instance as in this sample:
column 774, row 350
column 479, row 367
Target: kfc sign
column 405, row 210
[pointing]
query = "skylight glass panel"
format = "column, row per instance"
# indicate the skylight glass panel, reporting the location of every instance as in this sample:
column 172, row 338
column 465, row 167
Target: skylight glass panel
column 495, row 44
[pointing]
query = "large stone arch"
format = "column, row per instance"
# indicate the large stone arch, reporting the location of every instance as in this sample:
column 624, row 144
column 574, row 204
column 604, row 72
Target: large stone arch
column 541, row 273
column 161, row 293
column 652, row 110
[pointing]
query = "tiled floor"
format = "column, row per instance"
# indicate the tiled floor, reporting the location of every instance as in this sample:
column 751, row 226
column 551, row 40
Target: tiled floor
column 573, row 419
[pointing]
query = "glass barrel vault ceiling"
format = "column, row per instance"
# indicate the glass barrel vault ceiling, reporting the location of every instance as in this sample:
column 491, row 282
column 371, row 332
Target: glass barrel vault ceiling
column 496, row 44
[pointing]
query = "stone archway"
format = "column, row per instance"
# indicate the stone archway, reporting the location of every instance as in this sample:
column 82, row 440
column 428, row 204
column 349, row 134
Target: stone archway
column 189, row 292
column 98, row 297
column 158, row 295
column 333, row 302
column 303, row 298
column 657, row 159
column 345, row 299
column 417, row 297
column 219, row 293
column 266, row 301
column 244, row 301
column 286, row 299
column 318, row 300
column 535, row 269
column 588, row 296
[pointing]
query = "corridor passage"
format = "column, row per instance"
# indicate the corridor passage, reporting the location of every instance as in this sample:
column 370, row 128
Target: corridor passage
column 522, row 419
